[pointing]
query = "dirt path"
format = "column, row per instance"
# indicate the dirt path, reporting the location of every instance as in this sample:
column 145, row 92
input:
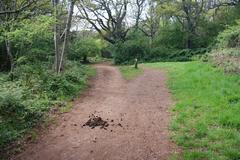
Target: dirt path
column 137, row 114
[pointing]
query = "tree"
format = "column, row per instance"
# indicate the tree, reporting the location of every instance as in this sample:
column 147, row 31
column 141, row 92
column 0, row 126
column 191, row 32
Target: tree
column 212, row 4
column 67, row 30
column 14, row 7
column 140, row 7
column 56, row 36
column 190, row 12
column 82, row 48
column 150, row 25
column 61, row 48
column 109, row 17
column 9, row 13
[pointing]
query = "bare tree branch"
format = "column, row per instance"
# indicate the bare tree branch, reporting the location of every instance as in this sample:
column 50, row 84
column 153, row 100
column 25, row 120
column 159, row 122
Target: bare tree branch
column 106, row 16
column 22, row 7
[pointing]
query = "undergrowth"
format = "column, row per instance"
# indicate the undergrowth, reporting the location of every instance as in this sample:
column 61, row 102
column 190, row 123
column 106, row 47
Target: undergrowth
column 33, row 92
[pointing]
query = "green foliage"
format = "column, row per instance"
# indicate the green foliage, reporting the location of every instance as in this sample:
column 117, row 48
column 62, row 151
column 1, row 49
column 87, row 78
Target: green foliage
column 32, row 38
column 10, row 104
column 125, row 53
column 229, row 38
column 34, row 91
column 206, row 122
column 226, row 54
column 226, row 59
column 174, row 36
column 159, row 54
column 168, row 45
column 32, row 88
column 135, row 47
column 29, row 29
column 85, row 47
column 170, row 36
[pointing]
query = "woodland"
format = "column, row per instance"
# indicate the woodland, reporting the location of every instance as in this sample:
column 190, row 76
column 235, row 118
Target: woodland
column 47, row 48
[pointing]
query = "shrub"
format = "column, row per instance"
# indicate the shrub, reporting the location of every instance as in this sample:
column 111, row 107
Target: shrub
column 11, row 106
column 229, row 38
column 16, row 115
column 226, row 54
column 166, row 54
column 137, row 46
column 226, row 59
column 34, row 91
column 170, row 36
column 106, row 52
column 158, row 54
column 36, row 33
column 83, row 48
column 125, row 53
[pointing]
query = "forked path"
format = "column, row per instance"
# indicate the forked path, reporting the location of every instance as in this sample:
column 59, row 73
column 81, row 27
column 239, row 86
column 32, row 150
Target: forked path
column 137, row 112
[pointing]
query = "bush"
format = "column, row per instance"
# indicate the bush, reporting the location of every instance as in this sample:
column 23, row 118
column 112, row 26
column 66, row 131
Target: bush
column 226, row 59
column 182, row 55
column 125, row 53
column 10, row 106
column 136, row 46
column 83, row 48
column 33, row 38
column 166, row 54
column 226, row 54
column 106, row 52
column 16, row 116
column 229, row 38
column 158, row 54
column 170, row 36
column 34, row 91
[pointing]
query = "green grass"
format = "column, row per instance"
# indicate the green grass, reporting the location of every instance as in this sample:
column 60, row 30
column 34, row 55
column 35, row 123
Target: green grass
column 129, row 72
column 206, row 121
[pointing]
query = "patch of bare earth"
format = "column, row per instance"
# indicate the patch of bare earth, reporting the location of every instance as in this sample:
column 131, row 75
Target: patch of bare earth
column 115, row 120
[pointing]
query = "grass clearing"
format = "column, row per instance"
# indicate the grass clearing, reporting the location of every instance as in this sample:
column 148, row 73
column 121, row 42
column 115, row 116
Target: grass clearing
column 129, row 72
column 206, row 121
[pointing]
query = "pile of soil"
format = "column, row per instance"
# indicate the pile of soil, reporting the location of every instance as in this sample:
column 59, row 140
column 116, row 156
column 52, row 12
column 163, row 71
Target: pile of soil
column 96, row 121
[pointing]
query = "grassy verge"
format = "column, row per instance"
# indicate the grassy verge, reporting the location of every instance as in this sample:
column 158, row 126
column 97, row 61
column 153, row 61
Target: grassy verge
column 35, row 90
column 207, row 114
column 129, row 72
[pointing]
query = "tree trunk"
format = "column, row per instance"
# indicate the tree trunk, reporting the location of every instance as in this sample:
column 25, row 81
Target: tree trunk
column 189, row 44
column 85, row 59
column 56, row 36
column 190, row 32
column 10, row 56
column 56, row 45
column 65, row 42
